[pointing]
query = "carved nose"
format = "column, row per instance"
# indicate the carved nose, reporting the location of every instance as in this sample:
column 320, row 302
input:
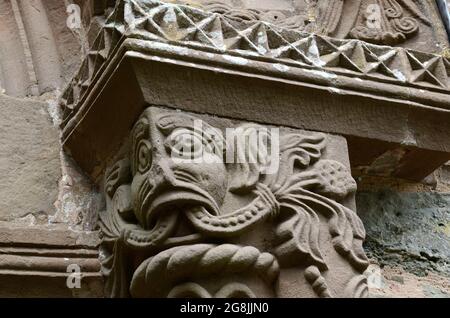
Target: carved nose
column 166, row 173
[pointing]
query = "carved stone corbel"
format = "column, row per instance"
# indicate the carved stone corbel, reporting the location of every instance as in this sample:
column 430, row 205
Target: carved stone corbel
column 210, row 226
column 203, row 226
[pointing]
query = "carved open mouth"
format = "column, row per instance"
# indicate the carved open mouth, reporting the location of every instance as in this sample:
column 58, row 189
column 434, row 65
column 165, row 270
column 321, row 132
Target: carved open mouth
column 179, row 198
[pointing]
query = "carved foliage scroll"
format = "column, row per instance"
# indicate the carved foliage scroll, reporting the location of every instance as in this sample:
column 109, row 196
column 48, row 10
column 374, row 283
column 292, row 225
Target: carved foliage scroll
column 388, row 21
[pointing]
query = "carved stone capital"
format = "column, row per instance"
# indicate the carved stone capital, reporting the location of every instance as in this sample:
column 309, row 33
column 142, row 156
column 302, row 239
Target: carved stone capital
column 201, row 206
column 213, row 224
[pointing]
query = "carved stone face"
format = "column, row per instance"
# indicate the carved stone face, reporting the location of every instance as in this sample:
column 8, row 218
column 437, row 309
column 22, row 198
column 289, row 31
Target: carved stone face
column 189, row 240
column 160, row 181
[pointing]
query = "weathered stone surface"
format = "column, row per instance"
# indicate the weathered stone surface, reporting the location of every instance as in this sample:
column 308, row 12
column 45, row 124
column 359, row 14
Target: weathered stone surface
column 38, row 261
column 444, row 8
column 391, row 107
column 411, row 230
column 394, row 282
column 172, row 229
column 408, row 23
column 39, row 52
column 205, row 206
column 68, row 43
column 443, row 177
column 78, row 199
column 29, row 160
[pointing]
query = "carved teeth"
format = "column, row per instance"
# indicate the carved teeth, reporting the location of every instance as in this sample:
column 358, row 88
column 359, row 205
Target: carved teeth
column 233, row 221
column 242, row 218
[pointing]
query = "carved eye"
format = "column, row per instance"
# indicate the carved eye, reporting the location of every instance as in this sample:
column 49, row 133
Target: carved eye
column 186, row 144
column 144, row 156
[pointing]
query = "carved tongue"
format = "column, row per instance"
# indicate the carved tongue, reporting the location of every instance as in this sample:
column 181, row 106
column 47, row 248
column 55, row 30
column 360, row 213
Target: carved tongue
column 180, row 200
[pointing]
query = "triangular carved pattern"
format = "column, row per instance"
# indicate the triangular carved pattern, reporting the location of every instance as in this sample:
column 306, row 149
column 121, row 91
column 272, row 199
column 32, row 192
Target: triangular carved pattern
column 427, row 69
column 101, row 49
column 183, row 24
column 446, row 62
column 187, row 26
